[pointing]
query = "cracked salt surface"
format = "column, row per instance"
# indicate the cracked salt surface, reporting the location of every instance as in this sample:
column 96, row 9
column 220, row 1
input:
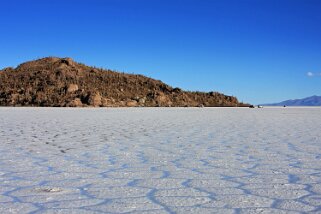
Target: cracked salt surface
column 160, row 160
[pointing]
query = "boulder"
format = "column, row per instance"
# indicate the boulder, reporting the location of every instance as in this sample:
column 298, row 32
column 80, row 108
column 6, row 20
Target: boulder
column 14, row 98
column 75, row 103
column 95, row 99
column 163, row 100
column 177, row 90
column 104, row 102
column 72, row 88
column 68, row 61
column 131, row 103
column 142, row 101
column 107, row 102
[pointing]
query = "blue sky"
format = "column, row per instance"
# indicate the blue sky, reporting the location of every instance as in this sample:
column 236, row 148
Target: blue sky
column 260, row 51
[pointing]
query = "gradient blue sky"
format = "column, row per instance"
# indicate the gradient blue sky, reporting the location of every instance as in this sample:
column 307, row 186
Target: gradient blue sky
column 258, row 50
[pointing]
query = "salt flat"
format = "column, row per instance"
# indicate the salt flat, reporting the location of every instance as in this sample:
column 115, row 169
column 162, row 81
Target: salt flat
column 160, row 160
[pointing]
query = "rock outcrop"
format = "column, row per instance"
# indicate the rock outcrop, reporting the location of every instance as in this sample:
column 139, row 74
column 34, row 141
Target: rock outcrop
column 62, row 82
column 72, row 88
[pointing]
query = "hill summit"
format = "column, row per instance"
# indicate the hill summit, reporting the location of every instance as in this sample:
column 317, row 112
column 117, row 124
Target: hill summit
column 62, row 82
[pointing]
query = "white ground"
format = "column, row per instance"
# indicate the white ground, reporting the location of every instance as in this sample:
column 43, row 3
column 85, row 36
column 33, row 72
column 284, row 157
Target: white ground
column 160, row 160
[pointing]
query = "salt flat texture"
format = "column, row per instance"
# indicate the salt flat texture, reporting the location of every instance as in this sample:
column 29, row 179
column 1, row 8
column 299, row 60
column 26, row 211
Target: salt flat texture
column 160, row 160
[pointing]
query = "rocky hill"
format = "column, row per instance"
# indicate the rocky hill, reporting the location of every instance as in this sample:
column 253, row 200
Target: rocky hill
column 62, row 82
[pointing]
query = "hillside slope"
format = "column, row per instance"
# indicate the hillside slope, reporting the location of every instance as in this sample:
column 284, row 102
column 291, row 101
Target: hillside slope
column 308, row 101
column 62, row 82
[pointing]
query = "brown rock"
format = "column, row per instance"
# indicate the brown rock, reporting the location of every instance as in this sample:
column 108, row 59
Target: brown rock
column 106, row 102
column 75, row 103
column 95, row 100
column 163, row 100
column 131, row 103
column 14, row 99
column 72, row 88
column 142, row 101
column 41, row 98
column 68, row 61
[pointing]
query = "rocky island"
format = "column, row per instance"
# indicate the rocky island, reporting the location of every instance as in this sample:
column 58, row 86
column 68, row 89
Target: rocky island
column 62, row 82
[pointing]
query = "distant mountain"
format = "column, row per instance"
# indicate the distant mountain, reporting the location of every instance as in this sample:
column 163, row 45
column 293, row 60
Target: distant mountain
column 63, row 82
column 308, row 101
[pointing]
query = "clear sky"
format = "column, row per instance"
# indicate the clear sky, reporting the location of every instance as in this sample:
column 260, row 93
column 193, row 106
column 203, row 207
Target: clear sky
column 260, row 51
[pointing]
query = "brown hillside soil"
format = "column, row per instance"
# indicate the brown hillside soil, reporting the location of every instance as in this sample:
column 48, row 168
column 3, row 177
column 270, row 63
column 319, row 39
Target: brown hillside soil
column 62, row 82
